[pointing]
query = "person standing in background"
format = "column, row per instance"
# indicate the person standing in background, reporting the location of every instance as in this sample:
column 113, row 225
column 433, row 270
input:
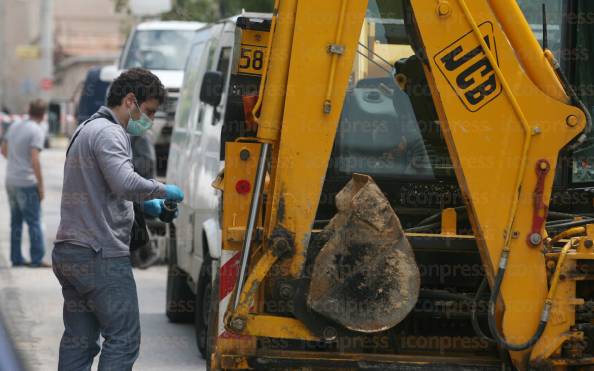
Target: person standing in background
column 24, row 183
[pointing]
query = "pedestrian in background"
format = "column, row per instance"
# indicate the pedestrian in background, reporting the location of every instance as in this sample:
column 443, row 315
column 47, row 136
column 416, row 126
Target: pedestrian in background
column 24, row 183
column 91, row 256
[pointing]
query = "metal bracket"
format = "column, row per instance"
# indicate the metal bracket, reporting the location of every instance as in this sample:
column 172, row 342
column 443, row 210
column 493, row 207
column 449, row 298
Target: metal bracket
column 539, row 214
column 336, row 49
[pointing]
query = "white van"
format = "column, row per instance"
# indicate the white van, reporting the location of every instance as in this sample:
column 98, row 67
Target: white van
column 219, row 73
column 162, row 47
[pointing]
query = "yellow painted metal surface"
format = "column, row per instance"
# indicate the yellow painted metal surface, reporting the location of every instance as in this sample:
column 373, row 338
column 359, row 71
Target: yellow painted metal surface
column 499, row 118
column 278, row 327
column 252, row 284
column 235, row 212
column 274, row 87
column 500, row 108
column 527, row 48
column 448, row 222
column 300, row 158
column 235, row 205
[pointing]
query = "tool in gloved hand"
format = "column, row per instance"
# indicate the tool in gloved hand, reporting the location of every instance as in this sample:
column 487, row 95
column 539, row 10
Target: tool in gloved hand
column 169, row 212
column 165, row 210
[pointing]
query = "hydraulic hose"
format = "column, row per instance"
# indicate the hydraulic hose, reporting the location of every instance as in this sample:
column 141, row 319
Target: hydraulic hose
column 565, row 234
column 570, row 91
column 546, row 311
column 576, row 223
column 473, row 317
column 544, row 318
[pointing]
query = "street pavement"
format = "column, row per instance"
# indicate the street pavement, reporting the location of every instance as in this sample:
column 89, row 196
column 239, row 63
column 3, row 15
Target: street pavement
column 31, row 301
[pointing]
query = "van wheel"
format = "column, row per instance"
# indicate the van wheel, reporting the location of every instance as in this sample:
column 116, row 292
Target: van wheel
column 203, row 308
column 180, row 300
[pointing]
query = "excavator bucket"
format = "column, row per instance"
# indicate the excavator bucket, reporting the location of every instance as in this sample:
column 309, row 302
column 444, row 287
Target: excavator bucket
column 365, row 276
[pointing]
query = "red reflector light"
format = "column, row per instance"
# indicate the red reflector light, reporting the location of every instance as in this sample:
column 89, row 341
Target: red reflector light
column 243, row 187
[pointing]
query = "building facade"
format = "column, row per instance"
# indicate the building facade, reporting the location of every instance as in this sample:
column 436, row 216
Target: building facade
column 85, row 33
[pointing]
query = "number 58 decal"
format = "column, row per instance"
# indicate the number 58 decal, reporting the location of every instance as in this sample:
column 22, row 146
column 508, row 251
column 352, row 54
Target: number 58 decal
column 251, row 60
column 252, row 51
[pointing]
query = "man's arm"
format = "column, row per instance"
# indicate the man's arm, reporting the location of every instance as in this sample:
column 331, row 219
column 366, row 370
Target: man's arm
column 112, row 156
column 4, row 149
column 37, row 170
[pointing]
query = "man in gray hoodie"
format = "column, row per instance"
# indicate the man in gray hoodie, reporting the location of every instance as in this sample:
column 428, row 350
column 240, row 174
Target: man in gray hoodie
column 91, row 257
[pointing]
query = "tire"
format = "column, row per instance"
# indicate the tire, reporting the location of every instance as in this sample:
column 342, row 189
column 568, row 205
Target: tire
column 180, row 300
column 203, row 308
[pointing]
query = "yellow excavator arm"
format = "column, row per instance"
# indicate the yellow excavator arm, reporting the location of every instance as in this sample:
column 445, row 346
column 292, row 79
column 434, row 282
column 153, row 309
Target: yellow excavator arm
column 505, row 113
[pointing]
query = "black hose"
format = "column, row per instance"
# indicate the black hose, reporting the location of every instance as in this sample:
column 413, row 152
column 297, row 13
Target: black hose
column 473, row 318
column 559, row 215
column 436, row 216
column 491, row 314
column 423, row 228
column 577, row 223
column 553, row 224
column 573, row 95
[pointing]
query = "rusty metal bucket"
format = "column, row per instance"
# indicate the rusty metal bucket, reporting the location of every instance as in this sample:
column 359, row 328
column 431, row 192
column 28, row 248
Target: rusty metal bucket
column 365, row 277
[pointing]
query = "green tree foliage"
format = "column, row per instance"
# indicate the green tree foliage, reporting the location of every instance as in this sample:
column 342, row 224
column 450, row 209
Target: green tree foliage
column 192, row 10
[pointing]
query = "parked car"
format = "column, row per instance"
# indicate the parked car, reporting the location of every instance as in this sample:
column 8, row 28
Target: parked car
column 210, row 110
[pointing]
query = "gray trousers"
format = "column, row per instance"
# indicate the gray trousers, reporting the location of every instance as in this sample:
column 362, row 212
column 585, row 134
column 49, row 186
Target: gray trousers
column 99, row 298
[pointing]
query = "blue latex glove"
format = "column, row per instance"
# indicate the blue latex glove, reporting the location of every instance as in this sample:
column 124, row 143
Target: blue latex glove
column 154, row 207
column 173, row 193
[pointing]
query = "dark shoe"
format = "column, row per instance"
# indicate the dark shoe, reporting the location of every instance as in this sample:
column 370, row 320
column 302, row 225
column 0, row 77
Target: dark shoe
column 41, row 265
column 22, row 264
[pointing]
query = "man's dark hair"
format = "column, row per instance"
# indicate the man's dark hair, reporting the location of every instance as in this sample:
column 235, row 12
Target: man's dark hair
column 37, row 108
column 139, row 81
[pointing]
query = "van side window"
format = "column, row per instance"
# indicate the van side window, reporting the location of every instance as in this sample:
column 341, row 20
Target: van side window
column 201, row 108
column 223, row 67
column 192, row 75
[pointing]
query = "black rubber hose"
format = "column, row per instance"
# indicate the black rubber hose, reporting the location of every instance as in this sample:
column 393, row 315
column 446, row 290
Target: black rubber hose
column 473, row 318
column 553, row 223
column 577, row 223
column 491, row 314
column 573, row 95
column 436, row 216
column 559, row 215
column 423, row 228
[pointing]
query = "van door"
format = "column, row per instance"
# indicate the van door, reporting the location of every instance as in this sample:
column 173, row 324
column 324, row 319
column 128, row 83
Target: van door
column 205, row 163
column 180, row 151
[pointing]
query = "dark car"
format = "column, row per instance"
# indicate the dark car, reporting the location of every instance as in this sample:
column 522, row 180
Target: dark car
column 92, row 96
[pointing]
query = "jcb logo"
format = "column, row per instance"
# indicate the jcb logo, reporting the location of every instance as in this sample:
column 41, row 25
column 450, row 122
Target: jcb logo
column 468, row 70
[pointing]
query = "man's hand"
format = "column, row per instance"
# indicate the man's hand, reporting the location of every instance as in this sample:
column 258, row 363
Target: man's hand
column 4, row 149
column 41, row 193
column 173, row 193
column 37, row 170
column 153, row 208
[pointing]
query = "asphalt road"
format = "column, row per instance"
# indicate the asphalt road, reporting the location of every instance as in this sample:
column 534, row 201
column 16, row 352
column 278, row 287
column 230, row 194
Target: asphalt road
column 31, row 301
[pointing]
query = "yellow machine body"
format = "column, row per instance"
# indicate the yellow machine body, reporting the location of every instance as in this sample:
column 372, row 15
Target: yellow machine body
column 503, row 112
